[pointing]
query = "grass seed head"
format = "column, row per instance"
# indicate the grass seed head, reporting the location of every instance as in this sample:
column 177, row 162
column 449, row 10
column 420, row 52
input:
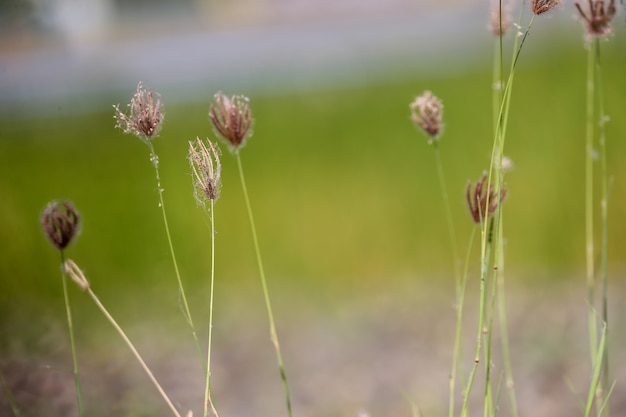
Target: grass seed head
column 145, row 118
column 206, row 170
column 232, row 119
column 597, row 19
column 60, row 222
column 77, row 275
column 483, row 201
column 427, row 113
column 542, row 6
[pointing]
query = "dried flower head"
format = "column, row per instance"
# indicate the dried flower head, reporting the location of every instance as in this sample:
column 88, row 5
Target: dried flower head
column 427, row 113
column 483, row 201
column 145, row 118
column 542, row 6
column 499, row 20
column 206, row 167
column 231, row 118
column 598, row 19
column 77, row 275
column 60, row 223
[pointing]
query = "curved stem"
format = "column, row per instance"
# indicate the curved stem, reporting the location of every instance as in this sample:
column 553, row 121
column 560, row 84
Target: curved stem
column 134, row 350
column 70, row 325
column 266, row 295
column 154, row 158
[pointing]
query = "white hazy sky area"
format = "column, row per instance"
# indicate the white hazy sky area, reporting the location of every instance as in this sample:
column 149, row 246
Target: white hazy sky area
column 85, row 49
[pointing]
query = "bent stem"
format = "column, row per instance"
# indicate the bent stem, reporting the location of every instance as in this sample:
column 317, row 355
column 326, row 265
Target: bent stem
column 266, row 295
column 70, row 325
column 135, row 352
column 207, row 390
column 154, row 158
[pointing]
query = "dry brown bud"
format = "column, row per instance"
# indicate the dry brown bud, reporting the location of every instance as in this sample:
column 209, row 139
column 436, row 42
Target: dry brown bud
column 483, row 201
column 145, row 118
column 60, row 223
column 206, row 167
column 231, row 118
column 427, row 113
column 542, row 6
column 597, row 20
column 76, row 274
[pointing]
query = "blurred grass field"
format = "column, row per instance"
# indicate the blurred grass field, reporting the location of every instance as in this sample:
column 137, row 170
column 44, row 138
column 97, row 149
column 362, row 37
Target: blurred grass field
column 343, row 187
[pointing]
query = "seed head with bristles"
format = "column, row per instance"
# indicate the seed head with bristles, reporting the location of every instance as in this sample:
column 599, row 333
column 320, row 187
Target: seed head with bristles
column 206, row 170
column 427, row 113
column 499, row 19
column 60, row 222
column 77, row 275
column 145, row 118
column 597, row 20
column 542, row 6
column 232, row 119
column 483, row 201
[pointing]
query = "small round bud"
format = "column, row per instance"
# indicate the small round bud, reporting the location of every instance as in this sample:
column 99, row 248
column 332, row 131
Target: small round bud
column 60, row 223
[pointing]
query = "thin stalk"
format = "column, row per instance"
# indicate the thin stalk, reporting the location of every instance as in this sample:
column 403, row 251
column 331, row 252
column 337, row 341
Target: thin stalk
column 134, row 350
column 14, row 410
column 459, row 324
column 604, row 245
column 186, row 312
column 207, row 389
column 484, row 272
column 589, row 247
column 70, row 325
column 266, row 295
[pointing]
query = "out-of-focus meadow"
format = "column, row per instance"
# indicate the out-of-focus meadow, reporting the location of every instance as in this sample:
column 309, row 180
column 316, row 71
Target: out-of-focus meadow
column 352, row 231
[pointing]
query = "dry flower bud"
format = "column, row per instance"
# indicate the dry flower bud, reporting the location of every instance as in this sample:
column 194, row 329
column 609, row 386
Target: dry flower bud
column 77, row 275
column 427, row 113
column 145, row 118
column 483, row 201
column 542, row 6
column 206, row 167
column 60, row 223
column 597, row 21
column 231, row 118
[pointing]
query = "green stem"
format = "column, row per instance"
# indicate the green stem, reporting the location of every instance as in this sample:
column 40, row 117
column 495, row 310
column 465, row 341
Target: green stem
column 154, row 158
column 266, row 295
column 134, row 351
column 70, row 326
column 207, row 390
column 589, row 248
column 14, row 410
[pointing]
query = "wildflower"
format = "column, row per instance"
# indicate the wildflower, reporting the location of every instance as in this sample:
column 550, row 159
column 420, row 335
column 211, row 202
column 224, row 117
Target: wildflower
column 145, row 118
column 60, row 223
column 427, row 113
column 598, row 21
column 231, row 118
column 77, row 275
column 499, row 20
column 483, row 201
column 542, row 6
column 206, row 167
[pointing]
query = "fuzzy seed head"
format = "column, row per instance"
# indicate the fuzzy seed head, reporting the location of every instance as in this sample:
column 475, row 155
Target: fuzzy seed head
column 483, row 201
column 597, row 19
column 497, row 27
column 427, row 113
column 206, row 170
column 542, row 6
column 60, row 222
column 77, row 275
column 232, row 119
column 145, row 118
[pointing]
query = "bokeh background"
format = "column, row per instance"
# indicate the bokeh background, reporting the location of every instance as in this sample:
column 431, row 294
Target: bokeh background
column 344, row 191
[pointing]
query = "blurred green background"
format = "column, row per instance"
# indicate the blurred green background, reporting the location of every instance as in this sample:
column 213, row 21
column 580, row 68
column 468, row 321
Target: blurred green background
column 343, row 188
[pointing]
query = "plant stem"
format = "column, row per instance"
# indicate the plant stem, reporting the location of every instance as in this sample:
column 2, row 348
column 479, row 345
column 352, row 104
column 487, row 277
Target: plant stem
column 266, row 295
column 207, row 389
column 135, row 352
column 70, row 326
column 154, row 158
column 14, row 410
